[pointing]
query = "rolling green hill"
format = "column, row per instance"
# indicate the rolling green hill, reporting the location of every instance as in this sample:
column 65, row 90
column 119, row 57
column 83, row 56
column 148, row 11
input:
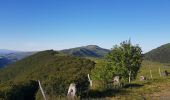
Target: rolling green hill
column 87, row 51
column 160, row 54
column 56, row 72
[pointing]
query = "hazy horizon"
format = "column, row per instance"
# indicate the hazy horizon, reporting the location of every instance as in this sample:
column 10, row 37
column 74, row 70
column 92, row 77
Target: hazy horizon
column 35, row 25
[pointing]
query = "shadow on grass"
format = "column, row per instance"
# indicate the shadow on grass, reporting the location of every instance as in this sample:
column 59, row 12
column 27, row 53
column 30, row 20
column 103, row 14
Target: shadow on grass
column 110, row 92
column 133, row 85
column 105, row 93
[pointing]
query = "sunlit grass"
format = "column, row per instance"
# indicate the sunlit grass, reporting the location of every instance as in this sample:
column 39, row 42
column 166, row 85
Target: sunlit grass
column 140, row 90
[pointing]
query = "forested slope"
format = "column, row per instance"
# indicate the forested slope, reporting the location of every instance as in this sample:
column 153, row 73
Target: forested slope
column 56, row 72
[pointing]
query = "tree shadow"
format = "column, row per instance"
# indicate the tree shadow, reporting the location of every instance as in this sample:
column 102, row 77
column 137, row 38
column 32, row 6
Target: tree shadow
column 102, row 94
column 110, row 92
column 133, row 85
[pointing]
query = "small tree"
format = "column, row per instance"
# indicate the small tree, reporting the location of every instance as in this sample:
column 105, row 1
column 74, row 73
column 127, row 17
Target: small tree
column 125, row 60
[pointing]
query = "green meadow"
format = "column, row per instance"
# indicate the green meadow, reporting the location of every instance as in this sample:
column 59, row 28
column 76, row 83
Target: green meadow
column 150, row 89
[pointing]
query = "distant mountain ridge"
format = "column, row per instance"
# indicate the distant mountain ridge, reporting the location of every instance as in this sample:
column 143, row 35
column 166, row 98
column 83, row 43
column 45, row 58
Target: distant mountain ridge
column 87, row 51
column 4, row 61
column 160, row 54
column 6, row 51
column 10, row 56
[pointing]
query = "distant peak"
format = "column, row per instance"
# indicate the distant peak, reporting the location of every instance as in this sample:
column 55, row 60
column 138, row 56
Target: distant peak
column 87, row 51
column 92, row 46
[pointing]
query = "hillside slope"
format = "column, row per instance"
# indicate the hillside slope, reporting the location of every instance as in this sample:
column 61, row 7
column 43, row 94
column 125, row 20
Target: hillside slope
column 54, row 70
column 87, row 51
column 160, row 54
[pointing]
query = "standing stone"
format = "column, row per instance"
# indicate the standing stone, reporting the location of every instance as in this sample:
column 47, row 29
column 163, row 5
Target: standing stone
column 116, row 81
column 142, row 78
column 165, row 73
column 71, row 91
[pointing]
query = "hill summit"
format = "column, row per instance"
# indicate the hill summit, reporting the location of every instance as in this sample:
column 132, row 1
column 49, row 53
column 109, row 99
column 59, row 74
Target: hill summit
column 87, row 51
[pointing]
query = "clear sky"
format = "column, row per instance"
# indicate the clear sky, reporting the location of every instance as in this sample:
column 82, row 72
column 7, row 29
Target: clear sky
column 59, row 24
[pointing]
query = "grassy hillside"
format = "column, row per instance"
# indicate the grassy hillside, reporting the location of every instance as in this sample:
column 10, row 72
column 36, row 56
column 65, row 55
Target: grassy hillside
column 54, row 70
column 87, row 51
column 151, row 89
column 160, row 54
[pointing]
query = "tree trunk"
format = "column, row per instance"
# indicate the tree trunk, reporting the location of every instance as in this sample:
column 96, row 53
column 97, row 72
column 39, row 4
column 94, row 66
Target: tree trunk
column 129, row 76
column 42, row 90
column 90, row 80
column 159, row 71
column 151, row 74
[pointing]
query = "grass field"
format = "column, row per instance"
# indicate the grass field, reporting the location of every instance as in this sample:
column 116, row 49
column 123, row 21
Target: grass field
column 155, row 88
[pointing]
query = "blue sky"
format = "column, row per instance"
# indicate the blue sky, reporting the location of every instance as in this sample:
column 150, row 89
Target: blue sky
column 58, row 24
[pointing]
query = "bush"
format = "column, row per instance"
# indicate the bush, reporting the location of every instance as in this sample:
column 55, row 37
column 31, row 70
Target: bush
column 19, row 91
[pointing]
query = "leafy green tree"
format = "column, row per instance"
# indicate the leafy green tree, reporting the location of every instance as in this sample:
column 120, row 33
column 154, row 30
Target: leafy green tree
column 102, row 74
column 125, row 60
